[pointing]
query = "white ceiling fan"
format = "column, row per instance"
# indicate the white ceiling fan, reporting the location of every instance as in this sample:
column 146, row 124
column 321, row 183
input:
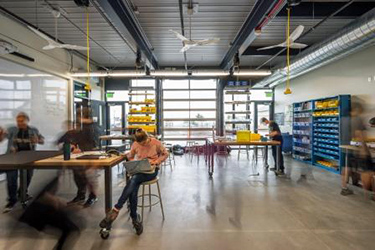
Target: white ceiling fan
column 189, row 43
column 293, row 37
column 54, row 44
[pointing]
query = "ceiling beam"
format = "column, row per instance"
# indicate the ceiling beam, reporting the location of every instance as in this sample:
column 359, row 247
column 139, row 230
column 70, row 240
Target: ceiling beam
column 322, row 9
column 256, row 15
column 121, row 14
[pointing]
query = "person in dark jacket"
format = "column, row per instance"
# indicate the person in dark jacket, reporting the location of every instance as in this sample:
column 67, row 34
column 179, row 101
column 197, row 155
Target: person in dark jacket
column 21, row 137
column 275, row 134
column 85, row 137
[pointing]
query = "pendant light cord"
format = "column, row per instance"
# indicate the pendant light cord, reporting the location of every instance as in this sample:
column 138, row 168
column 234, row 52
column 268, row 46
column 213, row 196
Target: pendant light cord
column 88, row 50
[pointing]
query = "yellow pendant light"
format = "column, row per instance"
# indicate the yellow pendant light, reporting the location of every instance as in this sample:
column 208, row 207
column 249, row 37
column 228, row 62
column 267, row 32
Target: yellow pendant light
column 288, row 91
column 88, row 85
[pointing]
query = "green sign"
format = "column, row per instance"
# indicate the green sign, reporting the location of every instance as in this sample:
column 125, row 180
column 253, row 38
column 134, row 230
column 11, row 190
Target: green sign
column 110, row 94
column 268, row 94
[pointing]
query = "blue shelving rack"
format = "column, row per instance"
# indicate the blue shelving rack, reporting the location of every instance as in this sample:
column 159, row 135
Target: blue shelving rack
column 319, row 130
column 302, row 131
column 331, row 129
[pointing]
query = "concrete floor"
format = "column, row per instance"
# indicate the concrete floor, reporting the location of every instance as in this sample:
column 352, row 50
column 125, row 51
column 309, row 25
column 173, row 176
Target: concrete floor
column 231, row 211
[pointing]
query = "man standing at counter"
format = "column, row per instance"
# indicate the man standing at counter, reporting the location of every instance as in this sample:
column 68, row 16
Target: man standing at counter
column 275, row 135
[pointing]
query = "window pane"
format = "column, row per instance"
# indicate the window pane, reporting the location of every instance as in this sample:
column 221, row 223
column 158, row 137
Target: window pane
column 175, row 84
column 174, row 114
column 175, row 94
column 143, row 83
column 176, row 105
column 261, row 94
column 202, row 94
column 199, row 104
column 203, row 114
column 203, row 84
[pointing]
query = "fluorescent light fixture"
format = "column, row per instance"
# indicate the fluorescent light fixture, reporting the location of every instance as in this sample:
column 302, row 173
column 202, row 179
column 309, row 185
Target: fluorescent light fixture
column 92, row 74
column 169, row 73
column 38, row 75
column 210, row 73
column 252, row 73
column 119, row 73
column 12, row 75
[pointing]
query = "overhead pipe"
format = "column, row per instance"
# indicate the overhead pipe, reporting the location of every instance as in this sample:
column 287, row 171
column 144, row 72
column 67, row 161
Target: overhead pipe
column 357, row 35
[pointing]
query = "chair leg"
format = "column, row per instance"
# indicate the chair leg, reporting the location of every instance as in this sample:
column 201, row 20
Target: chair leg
column 161, row 202
column 149, row 195
column 143, row 200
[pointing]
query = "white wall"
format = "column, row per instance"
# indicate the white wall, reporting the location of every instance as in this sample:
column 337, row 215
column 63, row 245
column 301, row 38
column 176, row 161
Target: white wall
column 347, row 76
column 57, row 61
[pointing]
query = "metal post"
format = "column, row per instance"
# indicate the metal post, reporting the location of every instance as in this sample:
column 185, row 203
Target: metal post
column 159, row 107
column 278, row 148
column 220, row 126
column 23, row 186
column 108, row 188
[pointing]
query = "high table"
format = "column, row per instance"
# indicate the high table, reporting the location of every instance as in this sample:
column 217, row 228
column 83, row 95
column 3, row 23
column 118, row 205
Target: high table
column 210, row 150
column 54, row 160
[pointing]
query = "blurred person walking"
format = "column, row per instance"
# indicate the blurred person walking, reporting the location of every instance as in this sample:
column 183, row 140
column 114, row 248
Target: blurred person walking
column 360, row 159
column 21, row 137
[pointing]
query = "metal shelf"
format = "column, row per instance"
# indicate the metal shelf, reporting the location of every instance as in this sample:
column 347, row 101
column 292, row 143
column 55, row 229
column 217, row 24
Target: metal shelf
column 238, row 112
column 145, row 113
column 137, row 123
column 141, row 103
column 238, row 122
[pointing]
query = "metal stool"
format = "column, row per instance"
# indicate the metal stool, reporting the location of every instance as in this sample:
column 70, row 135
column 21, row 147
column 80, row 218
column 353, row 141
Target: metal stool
column 158, row 196
column 247, row 148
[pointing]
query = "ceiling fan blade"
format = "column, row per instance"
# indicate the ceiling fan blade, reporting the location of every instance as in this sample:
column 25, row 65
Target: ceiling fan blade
column 179, row 36
column 185, row 48
column 213, row 41
column 40, row 34
column 271, row 47
column 296, row 33
column 49, row 47
column 73, row 47
column 298, row 46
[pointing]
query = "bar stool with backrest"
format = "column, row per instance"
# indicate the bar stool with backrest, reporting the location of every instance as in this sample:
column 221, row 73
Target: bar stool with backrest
column 150, row 195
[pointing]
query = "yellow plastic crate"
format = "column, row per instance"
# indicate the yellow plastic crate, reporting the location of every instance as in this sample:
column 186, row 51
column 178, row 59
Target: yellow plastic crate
column 255, row 137
column 243, row 135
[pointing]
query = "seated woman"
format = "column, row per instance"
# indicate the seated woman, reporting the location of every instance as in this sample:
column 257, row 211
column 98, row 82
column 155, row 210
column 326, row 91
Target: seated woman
column 144, row 147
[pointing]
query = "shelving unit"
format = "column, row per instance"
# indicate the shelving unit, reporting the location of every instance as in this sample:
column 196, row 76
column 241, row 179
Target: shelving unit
column 238, row 114
column 330, row 131
column 302, row 131
column 142, row 110
column 319, row 128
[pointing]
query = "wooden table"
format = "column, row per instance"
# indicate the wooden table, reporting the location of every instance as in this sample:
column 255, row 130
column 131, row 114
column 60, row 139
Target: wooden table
column 210, row 150
column 57, row 162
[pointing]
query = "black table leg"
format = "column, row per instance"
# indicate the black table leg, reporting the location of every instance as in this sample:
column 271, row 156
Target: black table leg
column 108, row 188
column 266, row 157
column 278, row 148
column 23, row 186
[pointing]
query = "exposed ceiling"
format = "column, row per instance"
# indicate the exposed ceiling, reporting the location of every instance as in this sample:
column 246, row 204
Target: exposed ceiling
column 215, row 18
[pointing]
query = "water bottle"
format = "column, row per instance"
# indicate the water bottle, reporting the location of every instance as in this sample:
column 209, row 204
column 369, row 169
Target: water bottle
column 66, row 150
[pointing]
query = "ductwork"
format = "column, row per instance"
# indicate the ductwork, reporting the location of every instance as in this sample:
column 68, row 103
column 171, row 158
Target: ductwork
column 357, row 35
